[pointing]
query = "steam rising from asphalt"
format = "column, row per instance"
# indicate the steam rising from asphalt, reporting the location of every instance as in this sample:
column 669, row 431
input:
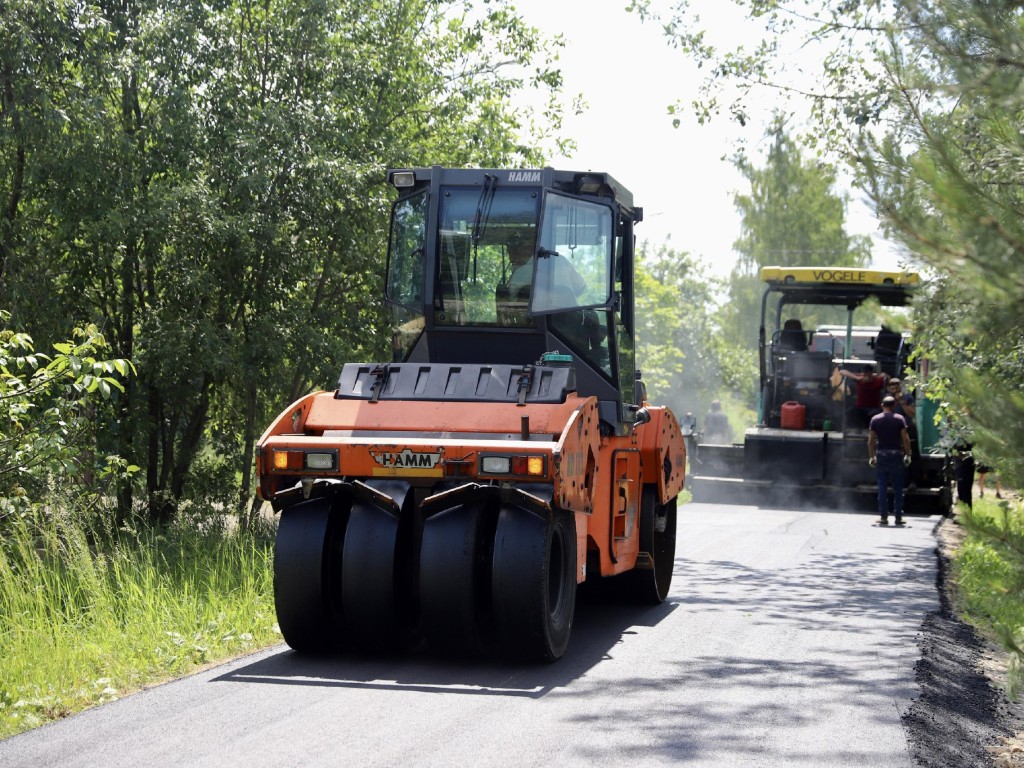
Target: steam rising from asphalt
column 781, row 496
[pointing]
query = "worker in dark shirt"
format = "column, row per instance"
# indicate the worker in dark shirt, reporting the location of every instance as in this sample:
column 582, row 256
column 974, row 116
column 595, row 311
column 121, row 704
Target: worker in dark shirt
column 963, row 467
column 889, row 453
column 716, row 425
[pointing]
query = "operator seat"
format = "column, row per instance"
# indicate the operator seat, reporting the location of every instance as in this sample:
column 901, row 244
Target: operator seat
column 513, row 305
column 792, row 337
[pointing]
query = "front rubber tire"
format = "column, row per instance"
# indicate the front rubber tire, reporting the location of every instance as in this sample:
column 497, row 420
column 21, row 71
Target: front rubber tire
column 533, row 582
column 369, row 583
column 455, row 585
column 307, row 560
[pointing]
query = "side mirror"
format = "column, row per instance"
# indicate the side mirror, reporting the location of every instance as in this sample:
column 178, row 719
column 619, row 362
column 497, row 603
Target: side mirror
column 642, row 417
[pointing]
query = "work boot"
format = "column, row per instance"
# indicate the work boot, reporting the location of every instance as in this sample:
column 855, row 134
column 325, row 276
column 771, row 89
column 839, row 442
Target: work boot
column 899, row 521
column 883, row 521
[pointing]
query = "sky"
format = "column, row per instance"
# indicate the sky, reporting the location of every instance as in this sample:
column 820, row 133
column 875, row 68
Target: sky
column 682, row 177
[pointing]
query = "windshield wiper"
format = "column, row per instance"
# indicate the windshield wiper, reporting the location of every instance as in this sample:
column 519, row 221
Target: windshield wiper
column 483, row 207
column 483, row 213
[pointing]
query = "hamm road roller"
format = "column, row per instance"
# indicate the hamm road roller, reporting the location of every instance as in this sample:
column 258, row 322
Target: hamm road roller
column 460, row 492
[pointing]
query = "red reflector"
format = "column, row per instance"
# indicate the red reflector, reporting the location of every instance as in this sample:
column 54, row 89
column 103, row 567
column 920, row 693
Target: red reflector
column 455, row 468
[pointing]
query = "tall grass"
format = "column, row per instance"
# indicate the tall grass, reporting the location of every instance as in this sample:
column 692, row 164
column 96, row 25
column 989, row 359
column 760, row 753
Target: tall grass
column 989, row 575
column 82, row 624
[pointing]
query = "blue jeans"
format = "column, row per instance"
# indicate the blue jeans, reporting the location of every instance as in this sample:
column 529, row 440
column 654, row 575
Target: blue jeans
column 890, row 470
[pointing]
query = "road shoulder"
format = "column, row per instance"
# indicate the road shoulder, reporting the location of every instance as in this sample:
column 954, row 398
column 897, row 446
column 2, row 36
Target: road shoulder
column 963, row 716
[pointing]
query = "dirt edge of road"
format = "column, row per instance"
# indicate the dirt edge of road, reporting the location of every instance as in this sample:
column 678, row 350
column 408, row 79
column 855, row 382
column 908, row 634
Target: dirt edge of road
column 963, row 717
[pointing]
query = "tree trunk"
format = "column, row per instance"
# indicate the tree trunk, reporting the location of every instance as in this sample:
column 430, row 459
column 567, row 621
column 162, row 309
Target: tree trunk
column 10, row 209
column 248, row 442
column 153, row 429
column 125, row 335
column 188, row 447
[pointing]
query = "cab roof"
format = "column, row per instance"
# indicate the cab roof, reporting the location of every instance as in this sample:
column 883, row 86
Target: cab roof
column 840, row 285
column 591, row 183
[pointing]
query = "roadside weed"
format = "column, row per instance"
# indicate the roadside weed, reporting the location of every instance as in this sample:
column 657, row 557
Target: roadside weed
column 82, row 624
column 989, row 574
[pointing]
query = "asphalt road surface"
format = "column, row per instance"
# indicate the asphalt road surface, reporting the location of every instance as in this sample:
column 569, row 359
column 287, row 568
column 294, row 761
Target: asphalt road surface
column 790, row 638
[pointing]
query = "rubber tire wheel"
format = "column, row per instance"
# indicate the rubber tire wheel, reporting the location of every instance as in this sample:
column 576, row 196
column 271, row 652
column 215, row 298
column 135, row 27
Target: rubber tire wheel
column 455, row 559
column 306, row 560
column 533, row 584
column 369, row 587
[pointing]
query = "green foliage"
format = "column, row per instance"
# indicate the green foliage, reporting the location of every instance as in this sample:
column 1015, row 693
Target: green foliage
column 207, row 181
column 685, row 362
column 948, row 184
column 675, row 336
column 977, row 376
column 989, row 570
column 50, row 405
column 81, row 626
column 794, row 214
column 738, row 366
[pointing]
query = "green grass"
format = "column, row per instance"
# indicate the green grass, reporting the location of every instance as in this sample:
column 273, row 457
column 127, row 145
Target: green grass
column 82, row 625
column 988, row 568
column 988, row 572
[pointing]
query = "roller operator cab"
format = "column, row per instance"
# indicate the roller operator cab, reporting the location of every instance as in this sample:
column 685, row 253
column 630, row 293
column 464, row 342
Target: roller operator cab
column 810, row 442
column 458, row 493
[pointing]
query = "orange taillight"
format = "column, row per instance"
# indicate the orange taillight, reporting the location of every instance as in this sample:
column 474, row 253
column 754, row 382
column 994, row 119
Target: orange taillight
column 287, row 459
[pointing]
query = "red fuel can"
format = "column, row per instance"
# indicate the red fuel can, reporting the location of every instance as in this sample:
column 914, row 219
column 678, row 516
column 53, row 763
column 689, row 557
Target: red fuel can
column 793, row 415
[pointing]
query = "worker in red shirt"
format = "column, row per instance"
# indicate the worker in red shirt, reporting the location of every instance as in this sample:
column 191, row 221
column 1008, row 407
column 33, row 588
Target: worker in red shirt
column 870, row 385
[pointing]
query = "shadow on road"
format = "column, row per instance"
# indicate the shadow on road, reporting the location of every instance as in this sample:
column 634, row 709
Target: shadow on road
column 600, row 623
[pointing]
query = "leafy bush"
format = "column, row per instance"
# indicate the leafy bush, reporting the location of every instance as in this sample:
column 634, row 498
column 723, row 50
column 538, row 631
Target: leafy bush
column 90, row 608
column 49, row 407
